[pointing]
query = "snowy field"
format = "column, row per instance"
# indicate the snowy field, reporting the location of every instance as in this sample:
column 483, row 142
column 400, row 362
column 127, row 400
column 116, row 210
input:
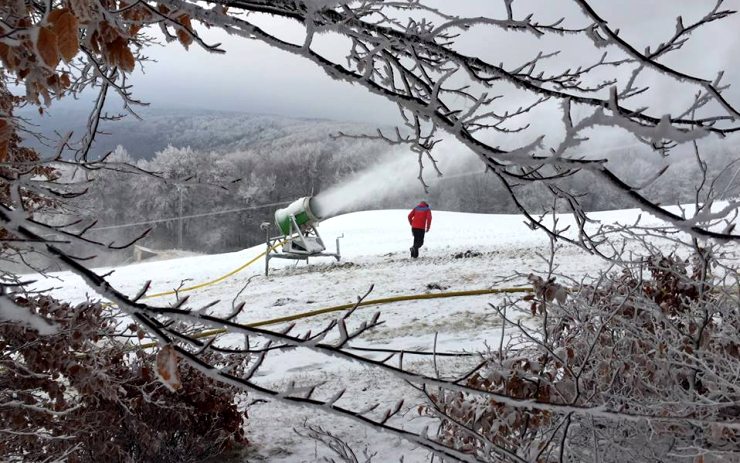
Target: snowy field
column 374, row 252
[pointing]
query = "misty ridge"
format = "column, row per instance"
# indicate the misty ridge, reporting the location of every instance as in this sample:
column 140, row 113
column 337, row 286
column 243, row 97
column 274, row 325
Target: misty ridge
column 213, row 161
column 199, row 129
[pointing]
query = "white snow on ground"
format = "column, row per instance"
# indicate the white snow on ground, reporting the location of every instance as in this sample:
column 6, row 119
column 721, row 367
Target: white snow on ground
column 374, row 252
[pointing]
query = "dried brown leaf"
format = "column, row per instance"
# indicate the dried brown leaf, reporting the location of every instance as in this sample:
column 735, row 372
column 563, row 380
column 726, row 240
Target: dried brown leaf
column 65, row 26
column 119, row 54
column 5, row 56
column 126, row 60
column 64, row 80
column 167, row 368
column 3, row 150
column 183, row 35
column 46, row 44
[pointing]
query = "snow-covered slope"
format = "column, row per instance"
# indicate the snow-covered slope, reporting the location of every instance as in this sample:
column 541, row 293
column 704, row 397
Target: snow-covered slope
column 375, row 252
column 371, row 236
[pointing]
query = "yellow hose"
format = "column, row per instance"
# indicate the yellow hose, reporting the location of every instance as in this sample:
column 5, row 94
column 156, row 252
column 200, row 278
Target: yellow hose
column 313, row 313
column 336, row 308
column 217, row 280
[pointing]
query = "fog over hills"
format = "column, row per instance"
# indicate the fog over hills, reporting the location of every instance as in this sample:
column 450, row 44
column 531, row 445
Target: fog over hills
column 240, row 160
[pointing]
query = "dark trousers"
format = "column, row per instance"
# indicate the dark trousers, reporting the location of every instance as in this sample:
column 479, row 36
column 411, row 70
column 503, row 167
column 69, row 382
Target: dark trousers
column 418, row 237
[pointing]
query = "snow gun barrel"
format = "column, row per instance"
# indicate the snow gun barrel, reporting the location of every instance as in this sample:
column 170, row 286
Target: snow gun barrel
column 301, row 209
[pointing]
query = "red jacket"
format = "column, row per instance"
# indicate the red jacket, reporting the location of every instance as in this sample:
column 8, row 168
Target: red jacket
column 421, row 216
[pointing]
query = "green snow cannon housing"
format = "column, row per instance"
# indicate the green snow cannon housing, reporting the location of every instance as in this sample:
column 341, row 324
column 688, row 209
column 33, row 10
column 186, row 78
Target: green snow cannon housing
column 301, row 210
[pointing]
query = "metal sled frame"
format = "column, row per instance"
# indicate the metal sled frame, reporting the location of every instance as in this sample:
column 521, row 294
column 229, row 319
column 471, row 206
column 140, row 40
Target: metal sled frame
column 299, row 235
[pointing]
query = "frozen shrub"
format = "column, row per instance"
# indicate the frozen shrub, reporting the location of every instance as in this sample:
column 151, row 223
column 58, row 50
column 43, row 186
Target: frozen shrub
column 632, row 368
column 82, row 394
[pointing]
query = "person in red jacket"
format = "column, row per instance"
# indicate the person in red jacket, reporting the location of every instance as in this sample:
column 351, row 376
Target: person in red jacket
column 420, row 219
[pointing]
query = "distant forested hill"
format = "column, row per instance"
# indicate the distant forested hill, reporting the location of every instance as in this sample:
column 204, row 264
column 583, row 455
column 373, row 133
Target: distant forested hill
column 201, row 130
column 243, row 161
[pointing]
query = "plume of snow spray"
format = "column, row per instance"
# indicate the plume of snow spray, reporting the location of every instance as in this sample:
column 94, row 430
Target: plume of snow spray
column 396, row 173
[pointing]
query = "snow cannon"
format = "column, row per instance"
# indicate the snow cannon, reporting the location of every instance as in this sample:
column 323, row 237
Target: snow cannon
column 297, row 214
column 299, row 239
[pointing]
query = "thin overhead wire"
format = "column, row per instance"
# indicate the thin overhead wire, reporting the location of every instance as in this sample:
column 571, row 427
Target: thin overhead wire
column 192, row 216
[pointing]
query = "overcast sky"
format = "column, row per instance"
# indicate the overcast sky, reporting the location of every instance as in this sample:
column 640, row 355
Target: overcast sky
column 253, row 77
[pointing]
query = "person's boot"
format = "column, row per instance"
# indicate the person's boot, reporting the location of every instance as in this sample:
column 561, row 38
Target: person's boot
column 414, row 252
